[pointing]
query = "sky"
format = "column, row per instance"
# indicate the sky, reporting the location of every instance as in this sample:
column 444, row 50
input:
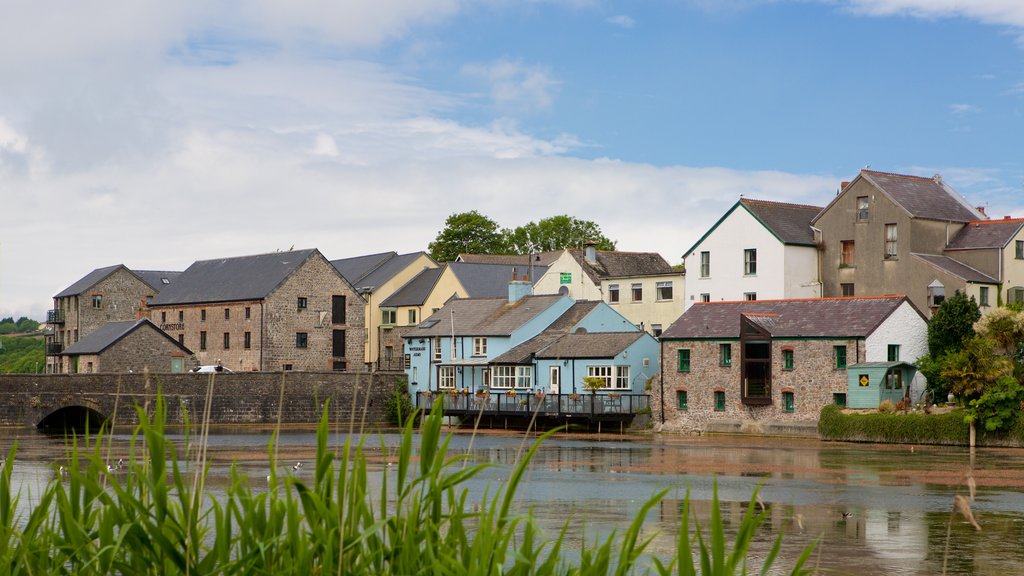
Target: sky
column 154, row 134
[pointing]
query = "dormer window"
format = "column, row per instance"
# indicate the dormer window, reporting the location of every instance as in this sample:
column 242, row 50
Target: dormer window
column 936, row 294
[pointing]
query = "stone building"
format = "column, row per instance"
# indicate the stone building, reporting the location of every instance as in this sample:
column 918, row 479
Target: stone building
column 130, row 346
column 109, row 294
column 279, row 311
column 756, row 364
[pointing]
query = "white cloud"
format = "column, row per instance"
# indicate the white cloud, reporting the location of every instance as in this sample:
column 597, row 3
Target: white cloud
column 516, row 85
column 1006, row 12
column 622, row 21
column 963, row 108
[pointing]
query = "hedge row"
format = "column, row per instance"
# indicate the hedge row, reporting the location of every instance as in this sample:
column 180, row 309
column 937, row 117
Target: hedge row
column 910, row 428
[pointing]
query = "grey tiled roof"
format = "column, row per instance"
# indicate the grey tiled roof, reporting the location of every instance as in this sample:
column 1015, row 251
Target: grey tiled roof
column 490, row 280
column 986, row 234
column 373, row 270
column 89, row 280
column 856, row 316
column 790, row 222
column 107, row 335
column 543, row 258
column 957, row 268
column 156, row 278
column 590, row 345
column 233, row 279
column 483, row 316
column 523, row 352
column 415, row 291
column 928, row 198
column 615, row 264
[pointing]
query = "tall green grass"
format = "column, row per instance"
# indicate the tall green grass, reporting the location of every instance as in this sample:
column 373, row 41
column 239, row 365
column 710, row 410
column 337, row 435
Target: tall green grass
column 153, row 517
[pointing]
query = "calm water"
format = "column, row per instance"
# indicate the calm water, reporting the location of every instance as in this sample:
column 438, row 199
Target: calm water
column 874, row 509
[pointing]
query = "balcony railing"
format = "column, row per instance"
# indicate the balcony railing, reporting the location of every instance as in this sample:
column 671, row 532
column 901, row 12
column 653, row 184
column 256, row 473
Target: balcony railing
column 54, row 348
column 54, row 316
column 598, row 405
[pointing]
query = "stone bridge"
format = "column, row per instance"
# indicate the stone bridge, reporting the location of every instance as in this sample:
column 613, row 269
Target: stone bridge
column 69, row 400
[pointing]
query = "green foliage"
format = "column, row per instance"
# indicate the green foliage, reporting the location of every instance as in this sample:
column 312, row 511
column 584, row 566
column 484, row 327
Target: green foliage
column 975, row 367
column 999, row 406
column 910, row 428
column 556, row 233
column 467, row 232
column 22, row 354
column 398, row 404
column 952, row 323
column 22, row 326
column 592, row 384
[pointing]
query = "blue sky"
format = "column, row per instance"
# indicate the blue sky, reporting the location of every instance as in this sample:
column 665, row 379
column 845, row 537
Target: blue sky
column 154, row 134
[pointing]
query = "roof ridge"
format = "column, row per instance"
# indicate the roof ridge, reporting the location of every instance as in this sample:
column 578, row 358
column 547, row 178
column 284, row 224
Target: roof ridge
column 778, row 203
column 899, row 175
column 998, row 221
column 873, row 297
column 257, row 255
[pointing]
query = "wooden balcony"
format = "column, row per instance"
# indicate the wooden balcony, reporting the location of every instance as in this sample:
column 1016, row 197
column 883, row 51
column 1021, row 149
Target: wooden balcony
column 602, row 406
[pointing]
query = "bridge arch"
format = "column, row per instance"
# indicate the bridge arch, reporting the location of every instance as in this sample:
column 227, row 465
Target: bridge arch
column 77, row 418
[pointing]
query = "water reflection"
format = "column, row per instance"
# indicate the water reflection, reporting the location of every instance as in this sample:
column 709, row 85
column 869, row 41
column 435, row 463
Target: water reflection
column 874, row 509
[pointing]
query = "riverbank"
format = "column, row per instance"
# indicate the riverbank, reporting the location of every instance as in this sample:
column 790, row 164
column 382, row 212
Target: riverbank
column 944, row 427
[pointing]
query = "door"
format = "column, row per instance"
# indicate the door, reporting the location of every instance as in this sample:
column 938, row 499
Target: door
column 555, row 379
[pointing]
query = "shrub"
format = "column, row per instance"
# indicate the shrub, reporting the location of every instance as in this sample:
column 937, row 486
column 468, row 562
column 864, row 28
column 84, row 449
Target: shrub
column 887, row 407
column 912, row 428
column 398, row 404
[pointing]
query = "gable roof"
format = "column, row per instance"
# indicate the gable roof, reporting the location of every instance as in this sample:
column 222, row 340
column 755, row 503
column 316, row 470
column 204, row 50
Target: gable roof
column 110, row 333
column 89, row 280
column 920, row 197
column 956, row 268
column 847, row 317
column 483, row 280
column 415, row 291
column 542, row 258
column 986, row 234
column 483, row 316
column 157, row 279
column 590, row 345
column 369, row 272
column 616, row 264
column 233, row 279
column 523, row 352
column 789, row 223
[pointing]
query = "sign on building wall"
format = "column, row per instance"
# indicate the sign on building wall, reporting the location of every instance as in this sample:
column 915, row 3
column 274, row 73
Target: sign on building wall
column 565, row 278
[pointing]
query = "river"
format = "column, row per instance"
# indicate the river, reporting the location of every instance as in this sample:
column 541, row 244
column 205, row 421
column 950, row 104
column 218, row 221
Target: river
column 874, row 509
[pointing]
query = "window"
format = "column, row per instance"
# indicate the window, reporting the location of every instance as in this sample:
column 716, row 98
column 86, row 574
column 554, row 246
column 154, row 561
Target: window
column 202, row 315
column 337, row 309
column 202, row 340
column 248, row 312
column 602, row 372
column 719, row 401
column 787, row 359
column 181, row 339
column 454, row 348
column 512, row 376
column 705, row 264
column 890, row 241
column 340, row 365
column 437, row 349
column 227, row 313
column 446, row 377
column 412, row 317
column 388, row 316
column 163, row 317
column 684, row 360
column 894, row 353
column 613, row 293
column 663, row 290
column 302, row 303
column 301, row 340
column 247, row 340
column 656, row 330
column 787, row 401
column 894, row 379
column 227, row 341
column 97, row 301
column 750, row 262
column 936, row 294
column 1015, row 295
column 479, row 346
column 1019, row 249
column 389, row 354
column 181, row 316
column 848, row 289
column 705, row 297
column 839, row 399
column 983, row 296
column 863, row 214
column 725, row 354
column 681, row 399
column 750, row 296
column 846, row 256
column 840, row 357
column 636, row 292
column 286, row 367
column 756, row 368
column 622, row 377
column 338, row 344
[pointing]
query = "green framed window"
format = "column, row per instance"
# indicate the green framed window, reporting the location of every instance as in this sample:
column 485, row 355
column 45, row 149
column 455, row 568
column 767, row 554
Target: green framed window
column 840, row 357
column 684, row 360
column 787, row 401
column 681, row 401
column 725, row 354
column 787, row 359
column 719, row 401
column 894, row 353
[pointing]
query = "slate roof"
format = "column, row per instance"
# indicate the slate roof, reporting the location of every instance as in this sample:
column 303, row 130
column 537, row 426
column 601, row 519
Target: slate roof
column 590, row 345
column 490, row 280
column 233, row 279
column 110, row 333
column 89, row 280
column 373, row 270
column 928, row 198
column 615, row 264
column 855, row 316
column 523, row 353
column 986, row 234
column 791, row 223
column 483, row 316
column 545, row 258
column 156, row 278
column 956, row 268
column 415, row 291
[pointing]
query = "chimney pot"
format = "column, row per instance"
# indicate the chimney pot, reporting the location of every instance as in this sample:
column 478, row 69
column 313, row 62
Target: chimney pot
column 982, row 210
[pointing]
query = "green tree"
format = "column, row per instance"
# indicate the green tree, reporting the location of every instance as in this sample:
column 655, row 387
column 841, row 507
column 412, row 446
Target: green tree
column 467, row 232
column 952, row 323
column 556, row 233
column 21, row 354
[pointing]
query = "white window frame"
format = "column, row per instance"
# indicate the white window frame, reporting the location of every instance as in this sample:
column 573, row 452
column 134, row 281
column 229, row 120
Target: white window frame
column 750, row 262
column 602, row 371
column 705, row 264
column 437, row 349
column 636, row 292
column 479, row 346
column 663, row 291
column 613, row 294
column 705, row 297
column 446, row 377
column 510, row 376
column 622, row 378
column 891, row 241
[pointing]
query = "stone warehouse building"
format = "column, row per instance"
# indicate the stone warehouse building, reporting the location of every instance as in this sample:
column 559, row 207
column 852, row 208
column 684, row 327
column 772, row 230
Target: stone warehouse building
column 279, row 311
column 130, row 346
column 109, row 294
column 732, row 366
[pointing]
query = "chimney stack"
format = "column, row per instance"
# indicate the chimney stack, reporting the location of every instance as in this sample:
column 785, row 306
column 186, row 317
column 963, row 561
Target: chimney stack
column 982, row 210
column 590, row 252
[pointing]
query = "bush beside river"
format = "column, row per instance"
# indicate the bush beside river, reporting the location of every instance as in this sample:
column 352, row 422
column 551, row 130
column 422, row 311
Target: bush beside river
column 945, row 428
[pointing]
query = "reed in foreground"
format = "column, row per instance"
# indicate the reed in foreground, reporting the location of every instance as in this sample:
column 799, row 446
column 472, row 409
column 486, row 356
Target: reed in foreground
column 149, row 518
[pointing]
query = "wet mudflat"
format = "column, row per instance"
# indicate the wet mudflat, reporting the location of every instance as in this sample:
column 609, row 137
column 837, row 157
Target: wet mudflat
column 874, row 509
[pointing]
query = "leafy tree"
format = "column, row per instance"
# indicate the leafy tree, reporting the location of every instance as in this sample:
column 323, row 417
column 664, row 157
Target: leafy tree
column 469, row 232
column 952, row 323
column 23, row 354
column 556, row 233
